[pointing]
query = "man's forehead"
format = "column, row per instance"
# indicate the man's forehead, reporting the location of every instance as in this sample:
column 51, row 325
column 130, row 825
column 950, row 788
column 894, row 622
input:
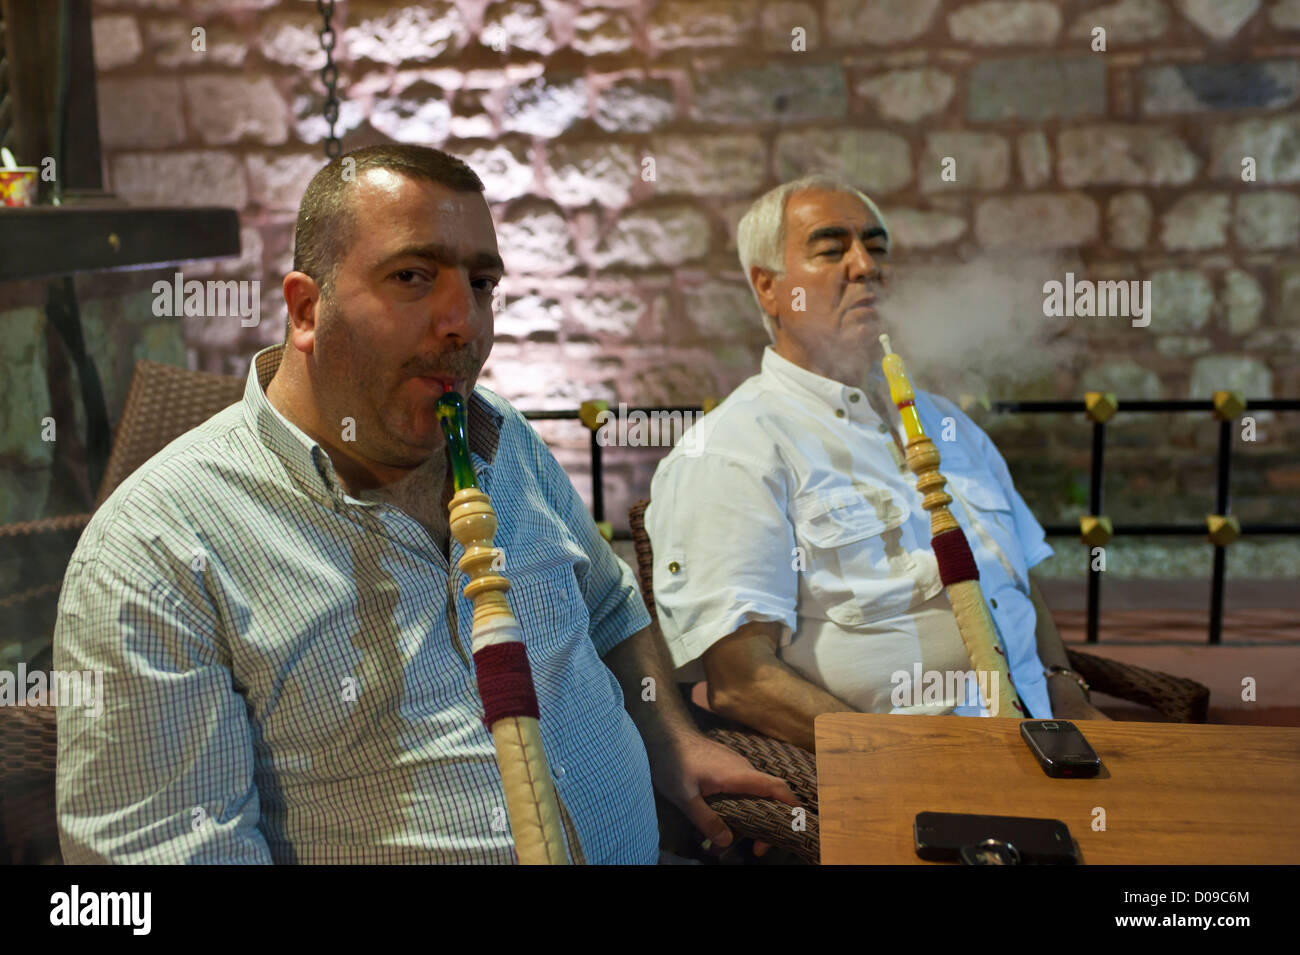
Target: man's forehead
column 810, row 209
column 386, row 189
column 401, row 210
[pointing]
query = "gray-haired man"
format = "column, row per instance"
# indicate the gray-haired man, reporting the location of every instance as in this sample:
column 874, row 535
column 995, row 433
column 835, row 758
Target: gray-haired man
column 792, row 560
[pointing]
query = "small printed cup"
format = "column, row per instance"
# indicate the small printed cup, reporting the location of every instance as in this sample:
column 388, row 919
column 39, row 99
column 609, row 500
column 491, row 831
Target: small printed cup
column 18, row 186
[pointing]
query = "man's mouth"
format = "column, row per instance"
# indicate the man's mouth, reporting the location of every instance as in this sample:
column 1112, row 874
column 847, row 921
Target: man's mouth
column 442, row 383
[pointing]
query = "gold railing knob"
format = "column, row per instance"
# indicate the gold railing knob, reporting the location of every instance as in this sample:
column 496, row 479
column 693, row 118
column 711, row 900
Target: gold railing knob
column 1228, row 404
column 1095, row 531
column 1100, row 406
column 589, row 411
column 1224, row 529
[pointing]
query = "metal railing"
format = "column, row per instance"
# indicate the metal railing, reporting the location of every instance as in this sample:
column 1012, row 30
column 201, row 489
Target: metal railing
column 1221, row 528
column 1094, row 528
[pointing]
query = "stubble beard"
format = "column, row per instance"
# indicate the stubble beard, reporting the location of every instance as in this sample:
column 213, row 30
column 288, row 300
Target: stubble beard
column 362, row 386
column 356, row 385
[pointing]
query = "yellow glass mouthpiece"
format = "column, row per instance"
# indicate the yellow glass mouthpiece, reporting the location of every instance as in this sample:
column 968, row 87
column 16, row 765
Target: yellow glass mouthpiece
column 900, row 391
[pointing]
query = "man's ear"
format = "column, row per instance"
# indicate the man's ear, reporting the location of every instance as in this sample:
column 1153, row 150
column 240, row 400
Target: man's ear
column 764, row 281
column 302, row 295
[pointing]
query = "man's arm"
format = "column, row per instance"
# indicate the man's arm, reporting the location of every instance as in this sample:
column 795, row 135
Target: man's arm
column 1064, row 694
column 1067, row 698
column 163, row 773
column 663, row 716
column 686, row 766
column 750, row 684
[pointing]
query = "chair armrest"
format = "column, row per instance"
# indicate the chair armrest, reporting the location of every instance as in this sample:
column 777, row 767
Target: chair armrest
column 794, row 764
column 31, row 593
column 769, row 821
column 29, row 831
column 28, row 739
column 46, row 525
column 1181, row 699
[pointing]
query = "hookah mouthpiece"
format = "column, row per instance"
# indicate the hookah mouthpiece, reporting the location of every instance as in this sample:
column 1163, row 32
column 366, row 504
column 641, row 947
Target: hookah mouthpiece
column 451, row 415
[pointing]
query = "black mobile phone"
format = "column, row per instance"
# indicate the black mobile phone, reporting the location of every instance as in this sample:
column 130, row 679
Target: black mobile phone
column 1060, row 748
column 941, row 836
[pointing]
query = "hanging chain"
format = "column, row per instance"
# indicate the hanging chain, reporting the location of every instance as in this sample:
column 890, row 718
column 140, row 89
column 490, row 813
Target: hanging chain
column 329, row 75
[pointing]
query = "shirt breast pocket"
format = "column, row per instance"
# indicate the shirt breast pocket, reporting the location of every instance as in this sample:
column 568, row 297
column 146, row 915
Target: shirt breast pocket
column 547, row 599
column 858, row 548
column 995, row 523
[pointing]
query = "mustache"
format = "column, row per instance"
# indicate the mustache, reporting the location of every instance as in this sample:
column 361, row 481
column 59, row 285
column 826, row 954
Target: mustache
column 875, row 290
column 461, row 363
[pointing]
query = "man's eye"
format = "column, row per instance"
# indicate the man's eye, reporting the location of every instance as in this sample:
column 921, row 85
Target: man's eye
column 878, row 251
column 835, row 252
column 405, row 275
column 486, row 284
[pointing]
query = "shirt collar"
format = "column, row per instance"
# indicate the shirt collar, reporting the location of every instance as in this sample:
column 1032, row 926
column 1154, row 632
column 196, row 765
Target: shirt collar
column 307, row 462
column 826, row 391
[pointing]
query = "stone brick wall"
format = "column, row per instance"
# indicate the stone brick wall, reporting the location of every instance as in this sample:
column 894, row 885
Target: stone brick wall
column 1127, row 163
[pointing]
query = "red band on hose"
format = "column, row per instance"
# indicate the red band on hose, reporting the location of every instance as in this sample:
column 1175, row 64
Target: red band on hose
column 505, row 683
column 905, row 404
column 956, row 563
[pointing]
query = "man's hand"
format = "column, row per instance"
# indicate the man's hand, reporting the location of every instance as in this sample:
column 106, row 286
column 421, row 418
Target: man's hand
column 694, row 766
column 1068, row 701
column 1078, row 710
column 685, row 766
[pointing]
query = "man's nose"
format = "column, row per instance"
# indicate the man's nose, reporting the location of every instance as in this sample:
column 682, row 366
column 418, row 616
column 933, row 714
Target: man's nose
column 862, row 264
column 454, row 306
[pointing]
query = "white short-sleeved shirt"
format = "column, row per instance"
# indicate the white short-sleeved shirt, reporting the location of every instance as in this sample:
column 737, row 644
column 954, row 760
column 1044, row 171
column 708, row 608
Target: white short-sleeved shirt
column 789, row 502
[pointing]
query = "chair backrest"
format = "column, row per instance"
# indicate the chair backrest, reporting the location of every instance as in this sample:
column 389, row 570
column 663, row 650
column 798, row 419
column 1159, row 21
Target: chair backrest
column 28, row 827
column 27, row 735
column 645, row 556
column 162, row 404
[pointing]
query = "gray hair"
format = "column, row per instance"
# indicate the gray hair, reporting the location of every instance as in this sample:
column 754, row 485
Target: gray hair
column 760, row 236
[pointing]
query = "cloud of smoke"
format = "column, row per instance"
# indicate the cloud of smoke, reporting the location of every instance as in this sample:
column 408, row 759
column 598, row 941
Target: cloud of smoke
column 976, row 327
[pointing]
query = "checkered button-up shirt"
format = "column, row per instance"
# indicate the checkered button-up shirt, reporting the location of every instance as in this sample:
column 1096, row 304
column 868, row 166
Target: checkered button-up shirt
column 282, row 682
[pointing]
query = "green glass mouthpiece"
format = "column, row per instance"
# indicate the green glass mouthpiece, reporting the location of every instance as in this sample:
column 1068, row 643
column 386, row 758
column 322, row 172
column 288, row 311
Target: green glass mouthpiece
column 451, row 415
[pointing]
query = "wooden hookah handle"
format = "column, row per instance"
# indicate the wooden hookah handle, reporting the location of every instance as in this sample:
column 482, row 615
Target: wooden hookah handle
column 505, row 683
column 951, row 549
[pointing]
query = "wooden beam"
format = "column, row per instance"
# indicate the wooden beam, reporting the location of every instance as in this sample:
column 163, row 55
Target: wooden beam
column 49, row 240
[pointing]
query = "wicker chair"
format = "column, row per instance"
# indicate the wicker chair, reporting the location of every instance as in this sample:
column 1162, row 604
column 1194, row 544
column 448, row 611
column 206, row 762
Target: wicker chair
column 1181, row 700
column 162, row 403
column 28, row 833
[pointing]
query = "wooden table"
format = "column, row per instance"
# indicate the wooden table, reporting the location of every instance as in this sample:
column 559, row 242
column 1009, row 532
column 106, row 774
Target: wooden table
column 1173, row 793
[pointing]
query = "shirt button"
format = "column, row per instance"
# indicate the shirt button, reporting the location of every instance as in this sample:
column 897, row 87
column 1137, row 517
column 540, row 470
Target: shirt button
column 994, row 603
column 673, row 567
column 559, row 772
column 883, row 429
column 854, row 397
column 839, row 412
